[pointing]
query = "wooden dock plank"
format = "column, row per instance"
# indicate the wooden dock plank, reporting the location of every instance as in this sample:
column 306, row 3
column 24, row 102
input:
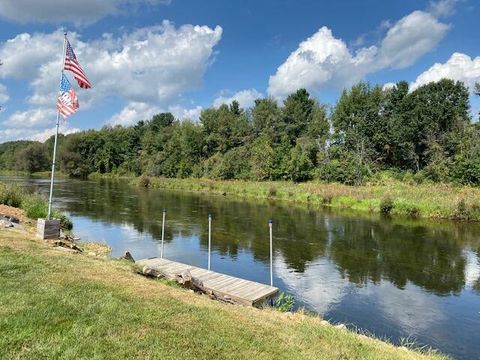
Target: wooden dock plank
column 238, row 285
column 220, row 283
column 208, row 278
column 248, row 292
column 257, row 294
column 199, row 272
column 240, row 290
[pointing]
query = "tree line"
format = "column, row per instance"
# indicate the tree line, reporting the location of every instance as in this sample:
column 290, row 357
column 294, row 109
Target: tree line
column 426, row 133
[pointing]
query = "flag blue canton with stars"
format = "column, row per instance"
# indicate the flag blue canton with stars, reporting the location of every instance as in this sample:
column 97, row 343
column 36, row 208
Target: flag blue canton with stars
column 70, row 54
column 65, row 85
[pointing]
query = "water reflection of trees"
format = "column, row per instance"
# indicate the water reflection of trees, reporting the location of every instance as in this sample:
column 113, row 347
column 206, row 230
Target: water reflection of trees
column 379, row 250
column 426, row 254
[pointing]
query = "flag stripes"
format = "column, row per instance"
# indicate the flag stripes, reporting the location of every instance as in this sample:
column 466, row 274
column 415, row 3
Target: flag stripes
column 67, row 102
column 71, row 64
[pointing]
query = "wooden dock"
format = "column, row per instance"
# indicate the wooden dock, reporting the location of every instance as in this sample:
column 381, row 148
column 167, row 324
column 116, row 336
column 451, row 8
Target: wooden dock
column 223, row 286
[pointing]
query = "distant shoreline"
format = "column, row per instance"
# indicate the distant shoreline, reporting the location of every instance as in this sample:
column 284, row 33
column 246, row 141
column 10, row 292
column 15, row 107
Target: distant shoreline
column 390, row 197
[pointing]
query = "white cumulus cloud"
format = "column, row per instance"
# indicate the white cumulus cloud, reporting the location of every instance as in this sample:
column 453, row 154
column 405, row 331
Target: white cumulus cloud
column 442, row 8
column 137, row 111
column 32, row 118
column 388, row 85
column 33, row 134
column 324, row 61
column 246, row 98
column 148, row 69
column 183, row 113
column 47, row 133
column 459, row 67
column 84, row 11
column 410, row 38
column 133, row 113
column 154, row 64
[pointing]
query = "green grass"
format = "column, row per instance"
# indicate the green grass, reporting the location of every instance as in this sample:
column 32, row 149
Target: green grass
column 69, row 306
column 429, row 200
column 34, row 205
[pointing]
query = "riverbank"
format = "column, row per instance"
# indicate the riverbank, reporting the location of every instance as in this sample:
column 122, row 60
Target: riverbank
column 384, row 195
column 34, row 205
column 38, row 174
column 62, row 304
column 387, row 196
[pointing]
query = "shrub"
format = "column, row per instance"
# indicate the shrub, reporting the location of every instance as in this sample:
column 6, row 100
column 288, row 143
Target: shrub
column 10, row 195
column 419, row 177
column 345, row 169
column 413, row 211
column 197, row 171
column 35, row 207
column 272, row 191
column 65, row 222
column 262, row 159
column 327, row 199
column 144, row 181
column 385, row 177
column 235, row 164
column 386, row 205
column 466, row 171
column 212, row 167
column 300, row 166
column 462, row 212
column 408, row 178
column 284, row 302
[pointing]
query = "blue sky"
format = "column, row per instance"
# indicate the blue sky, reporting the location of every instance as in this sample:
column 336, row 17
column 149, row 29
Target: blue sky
column 148, row 56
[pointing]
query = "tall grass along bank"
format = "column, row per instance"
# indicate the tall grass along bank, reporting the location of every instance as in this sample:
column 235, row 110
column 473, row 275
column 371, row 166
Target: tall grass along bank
column 57, row 304
column 34, row 205
column 387, row 196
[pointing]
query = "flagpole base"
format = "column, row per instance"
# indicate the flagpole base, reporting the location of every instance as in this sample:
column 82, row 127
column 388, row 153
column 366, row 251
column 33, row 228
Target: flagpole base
column 48, row 229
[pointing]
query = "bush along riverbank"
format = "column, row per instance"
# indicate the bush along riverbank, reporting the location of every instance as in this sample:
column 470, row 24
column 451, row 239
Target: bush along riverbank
column 34, row 205
column 119, row 314
column 384, row 195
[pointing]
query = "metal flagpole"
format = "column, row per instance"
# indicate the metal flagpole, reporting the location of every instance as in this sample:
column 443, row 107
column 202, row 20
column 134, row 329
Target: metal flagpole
column 163, row 232
column 270, row 224
column 56, row 135
column 209, row 239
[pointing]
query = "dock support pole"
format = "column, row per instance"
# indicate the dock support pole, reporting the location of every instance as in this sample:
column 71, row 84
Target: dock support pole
column 270, row 223
column 163, row 233
column 209, row 239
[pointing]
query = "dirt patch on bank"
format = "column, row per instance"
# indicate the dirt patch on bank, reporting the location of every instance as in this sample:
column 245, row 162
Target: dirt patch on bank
column 15, row 212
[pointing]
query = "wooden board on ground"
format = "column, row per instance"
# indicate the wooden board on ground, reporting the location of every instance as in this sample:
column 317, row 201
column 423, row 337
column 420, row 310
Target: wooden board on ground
column 240, row 291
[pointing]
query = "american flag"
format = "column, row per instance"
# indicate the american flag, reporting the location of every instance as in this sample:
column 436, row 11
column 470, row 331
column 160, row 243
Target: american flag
column 67, row 103
column 71, row 64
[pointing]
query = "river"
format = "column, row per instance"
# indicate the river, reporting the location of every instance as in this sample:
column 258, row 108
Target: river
column 395, row 278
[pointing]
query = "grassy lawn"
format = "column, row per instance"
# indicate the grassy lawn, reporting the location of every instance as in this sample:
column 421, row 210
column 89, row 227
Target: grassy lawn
column 436, row 201
column 57, row 304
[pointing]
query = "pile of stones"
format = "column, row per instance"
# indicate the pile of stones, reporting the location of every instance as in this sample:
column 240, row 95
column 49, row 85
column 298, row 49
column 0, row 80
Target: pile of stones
column 7, row 221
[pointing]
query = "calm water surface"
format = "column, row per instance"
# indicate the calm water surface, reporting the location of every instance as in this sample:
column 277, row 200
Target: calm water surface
column 394, row 278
